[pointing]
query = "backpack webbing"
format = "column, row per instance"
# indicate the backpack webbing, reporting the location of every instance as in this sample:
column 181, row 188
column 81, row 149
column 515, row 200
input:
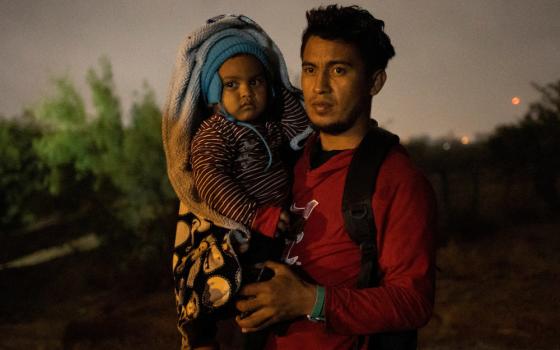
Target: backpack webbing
column 360, row 223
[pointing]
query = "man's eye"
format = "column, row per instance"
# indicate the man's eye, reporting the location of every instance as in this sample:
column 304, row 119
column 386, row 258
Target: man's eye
column 308, row 70
column 339, row 70
column 229, row 84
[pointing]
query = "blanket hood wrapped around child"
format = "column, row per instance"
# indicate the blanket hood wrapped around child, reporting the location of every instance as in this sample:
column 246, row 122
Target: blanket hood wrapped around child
column 184, row 109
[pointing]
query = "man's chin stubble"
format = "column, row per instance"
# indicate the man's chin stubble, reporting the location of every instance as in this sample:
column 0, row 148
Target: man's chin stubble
column 337, row 128
column 332, row 129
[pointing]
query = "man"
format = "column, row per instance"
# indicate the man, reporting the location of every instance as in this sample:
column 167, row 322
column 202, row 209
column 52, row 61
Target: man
column 344, row 55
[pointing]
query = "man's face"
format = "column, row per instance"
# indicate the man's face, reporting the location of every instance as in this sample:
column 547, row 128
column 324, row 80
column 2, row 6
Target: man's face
column 335, row 84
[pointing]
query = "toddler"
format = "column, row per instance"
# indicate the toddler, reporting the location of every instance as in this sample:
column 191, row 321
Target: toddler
column 236, row 155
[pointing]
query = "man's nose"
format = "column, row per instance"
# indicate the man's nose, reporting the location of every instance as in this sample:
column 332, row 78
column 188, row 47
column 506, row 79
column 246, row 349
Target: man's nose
column 322, row 82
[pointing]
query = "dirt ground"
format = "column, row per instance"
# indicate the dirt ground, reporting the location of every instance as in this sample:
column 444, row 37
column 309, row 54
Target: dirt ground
column 498, row 292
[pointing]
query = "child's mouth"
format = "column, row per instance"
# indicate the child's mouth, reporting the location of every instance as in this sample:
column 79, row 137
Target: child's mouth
column 248, row 105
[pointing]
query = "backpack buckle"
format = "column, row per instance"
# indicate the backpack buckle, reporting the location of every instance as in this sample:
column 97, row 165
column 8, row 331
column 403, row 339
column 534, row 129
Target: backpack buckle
column 359, row 211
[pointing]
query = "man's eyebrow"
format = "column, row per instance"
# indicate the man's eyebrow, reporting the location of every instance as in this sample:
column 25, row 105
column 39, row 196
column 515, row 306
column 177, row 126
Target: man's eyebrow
column 335, row 62
column 329, row 63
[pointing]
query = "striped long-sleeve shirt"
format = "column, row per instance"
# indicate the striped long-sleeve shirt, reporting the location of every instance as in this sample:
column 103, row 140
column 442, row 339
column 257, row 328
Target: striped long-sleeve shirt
column 229, row 162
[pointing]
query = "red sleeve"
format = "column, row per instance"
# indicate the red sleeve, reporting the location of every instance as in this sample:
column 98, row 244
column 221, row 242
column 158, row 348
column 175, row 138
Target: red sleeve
column 405, row 214
column 266, row 220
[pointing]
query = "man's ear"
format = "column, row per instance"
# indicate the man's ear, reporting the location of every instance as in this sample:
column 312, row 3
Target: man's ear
column 378, row 77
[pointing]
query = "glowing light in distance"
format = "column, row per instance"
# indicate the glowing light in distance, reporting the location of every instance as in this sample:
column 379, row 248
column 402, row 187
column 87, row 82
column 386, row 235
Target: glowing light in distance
column 465, row 140
column 515, row 101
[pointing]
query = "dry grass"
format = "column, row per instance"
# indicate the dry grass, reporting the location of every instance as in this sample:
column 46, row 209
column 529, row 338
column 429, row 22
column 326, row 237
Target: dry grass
column 500, row 292
column 497, row 292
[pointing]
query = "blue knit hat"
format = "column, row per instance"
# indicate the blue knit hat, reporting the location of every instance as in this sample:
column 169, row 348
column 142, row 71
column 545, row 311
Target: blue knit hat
column 221, row 51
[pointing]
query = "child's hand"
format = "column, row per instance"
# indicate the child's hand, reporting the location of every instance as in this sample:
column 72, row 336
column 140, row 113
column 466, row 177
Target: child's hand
column 290, row 225
column 297, row 222
column 283, row 223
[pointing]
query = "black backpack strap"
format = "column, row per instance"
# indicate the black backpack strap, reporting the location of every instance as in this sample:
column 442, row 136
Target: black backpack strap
column 356, row 200
column 360, row 224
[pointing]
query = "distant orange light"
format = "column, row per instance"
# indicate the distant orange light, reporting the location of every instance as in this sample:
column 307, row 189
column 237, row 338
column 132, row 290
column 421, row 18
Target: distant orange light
column 515, row 101
column 465, row 140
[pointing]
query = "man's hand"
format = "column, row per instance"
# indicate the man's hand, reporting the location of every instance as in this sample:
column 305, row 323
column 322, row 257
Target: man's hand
column 282, row 298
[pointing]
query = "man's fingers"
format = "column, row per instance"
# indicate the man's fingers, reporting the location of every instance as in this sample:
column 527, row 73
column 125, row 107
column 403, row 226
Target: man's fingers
column 276, row 267
column 255, row 321
column 264, row 325
column 251, row 289
column 247, row 305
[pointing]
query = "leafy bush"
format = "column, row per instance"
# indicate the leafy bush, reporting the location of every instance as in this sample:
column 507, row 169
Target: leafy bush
column 89, row 166
column 21, row 174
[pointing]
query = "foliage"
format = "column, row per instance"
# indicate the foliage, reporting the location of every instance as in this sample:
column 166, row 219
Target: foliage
column 532, row 145
column 72, row 142
column 142, row 176
column 105, row 129
column 64, row 144
column 20, row 172
column 122, row 169
column 510, row 176
column 92, row 170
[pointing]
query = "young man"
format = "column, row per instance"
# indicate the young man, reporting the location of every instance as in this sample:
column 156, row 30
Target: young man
column 344, row 55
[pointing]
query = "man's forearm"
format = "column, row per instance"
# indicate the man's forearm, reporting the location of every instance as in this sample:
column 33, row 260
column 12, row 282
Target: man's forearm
column 373, row 310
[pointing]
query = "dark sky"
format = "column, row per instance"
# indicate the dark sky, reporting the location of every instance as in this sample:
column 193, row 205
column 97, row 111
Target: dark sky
column 458, row 63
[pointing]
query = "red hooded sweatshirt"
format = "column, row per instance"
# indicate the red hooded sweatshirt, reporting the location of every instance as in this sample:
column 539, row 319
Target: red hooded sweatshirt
column 405, row 216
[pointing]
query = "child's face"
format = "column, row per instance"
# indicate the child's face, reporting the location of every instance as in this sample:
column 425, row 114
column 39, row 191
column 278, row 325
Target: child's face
column 244, row 93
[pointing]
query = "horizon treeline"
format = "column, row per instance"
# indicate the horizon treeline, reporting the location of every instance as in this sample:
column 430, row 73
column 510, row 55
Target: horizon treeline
column 61, row 163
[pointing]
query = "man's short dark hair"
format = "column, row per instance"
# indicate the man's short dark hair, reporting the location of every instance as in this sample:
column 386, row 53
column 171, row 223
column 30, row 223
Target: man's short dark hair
column 352, row 25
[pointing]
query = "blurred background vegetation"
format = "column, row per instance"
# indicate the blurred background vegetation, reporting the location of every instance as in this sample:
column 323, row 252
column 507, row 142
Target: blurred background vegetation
column 66, row 171
column 507, row 177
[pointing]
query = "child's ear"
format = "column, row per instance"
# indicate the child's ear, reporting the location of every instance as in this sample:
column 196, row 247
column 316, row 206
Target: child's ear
column 215, row 108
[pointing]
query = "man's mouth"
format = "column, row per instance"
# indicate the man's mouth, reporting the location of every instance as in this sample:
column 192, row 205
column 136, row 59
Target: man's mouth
column 322, row 107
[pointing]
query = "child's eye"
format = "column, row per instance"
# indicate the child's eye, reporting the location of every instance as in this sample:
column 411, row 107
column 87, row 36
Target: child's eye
column 256, row 82
column 230, row 84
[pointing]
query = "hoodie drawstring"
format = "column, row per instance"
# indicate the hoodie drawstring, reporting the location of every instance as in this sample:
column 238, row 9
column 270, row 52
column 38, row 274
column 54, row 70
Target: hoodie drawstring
column 250, row 127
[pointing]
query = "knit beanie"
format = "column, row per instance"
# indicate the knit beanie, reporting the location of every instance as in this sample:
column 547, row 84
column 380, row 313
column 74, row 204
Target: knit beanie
column 221, row 51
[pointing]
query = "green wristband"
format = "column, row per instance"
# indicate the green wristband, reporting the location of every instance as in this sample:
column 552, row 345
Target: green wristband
column 317, row 313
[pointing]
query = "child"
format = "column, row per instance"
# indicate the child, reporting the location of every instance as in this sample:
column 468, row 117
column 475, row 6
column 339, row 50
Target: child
column 235, row 154
column 235, row 157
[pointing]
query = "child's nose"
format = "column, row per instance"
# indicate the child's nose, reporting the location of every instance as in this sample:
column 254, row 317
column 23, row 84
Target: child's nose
column 245, row 90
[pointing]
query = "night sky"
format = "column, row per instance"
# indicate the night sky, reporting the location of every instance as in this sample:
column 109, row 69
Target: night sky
column 457, row 68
